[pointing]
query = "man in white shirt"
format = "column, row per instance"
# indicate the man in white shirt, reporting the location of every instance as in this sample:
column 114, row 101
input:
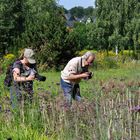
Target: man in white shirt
column 75, row 70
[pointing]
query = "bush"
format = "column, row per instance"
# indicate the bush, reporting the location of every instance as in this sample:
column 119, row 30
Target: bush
column 110, row 62
column 106, row 61
column 80, row 53
column 110, row 59
column 7, row 59
column 126, row 53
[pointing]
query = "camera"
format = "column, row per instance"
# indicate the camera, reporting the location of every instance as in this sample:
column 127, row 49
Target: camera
column 90, row 75
column 40, row 77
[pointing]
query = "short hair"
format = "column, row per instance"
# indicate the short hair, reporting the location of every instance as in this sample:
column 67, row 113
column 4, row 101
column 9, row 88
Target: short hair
column 88, row 54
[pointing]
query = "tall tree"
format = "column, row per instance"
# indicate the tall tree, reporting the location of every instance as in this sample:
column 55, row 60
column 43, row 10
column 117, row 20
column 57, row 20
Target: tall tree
column 12, row 22
column 115, row 19
column 77, row 11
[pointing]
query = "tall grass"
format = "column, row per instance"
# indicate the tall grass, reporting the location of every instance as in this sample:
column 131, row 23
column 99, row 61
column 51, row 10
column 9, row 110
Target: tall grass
column 104, row 113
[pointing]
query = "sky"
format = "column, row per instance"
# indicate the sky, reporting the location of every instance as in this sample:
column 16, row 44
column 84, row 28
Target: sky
column 68, row 4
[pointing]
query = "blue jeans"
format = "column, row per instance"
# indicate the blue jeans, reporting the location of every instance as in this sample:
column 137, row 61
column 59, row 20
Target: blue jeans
column 17, row 95
column 70, row 91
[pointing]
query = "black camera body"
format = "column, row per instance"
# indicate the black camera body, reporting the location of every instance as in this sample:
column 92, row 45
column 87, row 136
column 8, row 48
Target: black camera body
column 90, row 75
column 40, row 77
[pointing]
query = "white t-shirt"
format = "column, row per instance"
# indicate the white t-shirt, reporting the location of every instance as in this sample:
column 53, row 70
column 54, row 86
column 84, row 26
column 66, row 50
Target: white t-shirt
column 74, row 66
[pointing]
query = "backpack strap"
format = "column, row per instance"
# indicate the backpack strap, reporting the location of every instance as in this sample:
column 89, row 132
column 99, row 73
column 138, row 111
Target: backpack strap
column 18, row 62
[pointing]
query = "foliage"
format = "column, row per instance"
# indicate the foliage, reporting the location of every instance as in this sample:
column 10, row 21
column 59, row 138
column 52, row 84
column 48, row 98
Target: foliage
column 81, row 12
column 9, row 56
column 115, row 19
column 90, row 11
column 84, row 51
column 6, row 61
column 41, row 25
column 77, row 11
column 12, row 22
column 105, row 60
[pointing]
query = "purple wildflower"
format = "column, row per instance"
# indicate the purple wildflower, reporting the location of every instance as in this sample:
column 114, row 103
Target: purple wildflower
column 136, row 108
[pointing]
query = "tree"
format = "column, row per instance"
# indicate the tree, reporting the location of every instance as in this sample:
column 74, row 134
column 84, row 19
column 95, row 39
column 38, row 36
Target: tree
column 89, row 12
column 12, row 22
column 116, row 20
column 77, row 11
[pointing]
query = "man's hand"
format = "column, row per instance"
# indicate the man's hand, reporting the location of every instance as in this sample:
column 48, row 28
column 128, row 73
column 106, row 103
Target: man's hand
column 85, row 75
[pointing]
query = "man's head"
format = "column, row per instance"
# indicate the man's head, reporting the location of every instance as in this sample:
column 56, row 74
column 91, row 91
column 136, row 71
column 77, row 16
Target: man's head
column 89, row 57
column 29, row 56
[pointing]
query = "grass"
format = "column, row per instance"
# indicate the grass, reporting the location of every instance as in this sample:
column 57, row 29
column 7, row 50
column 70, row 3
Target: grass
column 104, row 114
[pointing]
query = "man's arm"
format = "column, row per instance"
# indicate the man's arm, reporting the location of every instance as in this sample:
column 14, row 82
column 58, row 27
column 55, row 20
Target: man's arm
column 78, row 76
column 17, row 77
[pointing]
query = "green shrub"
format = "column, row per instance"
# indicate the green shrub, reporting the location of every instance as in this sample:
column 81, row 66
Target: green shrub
column 110, row 62
column 7, row 59
column 110, row 59
column 80, row 53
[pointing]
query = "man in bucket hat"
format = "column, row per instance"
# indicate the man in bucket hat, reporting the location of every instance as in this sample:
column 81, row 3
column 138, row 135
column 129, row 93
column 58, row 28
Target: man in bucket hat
column 23, row 77
column 29, row 55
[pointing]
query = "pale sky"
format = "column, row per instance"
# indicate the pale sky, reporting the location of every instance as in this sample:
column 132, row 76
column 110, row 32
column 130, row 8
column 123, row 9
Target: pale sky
column 68, row 4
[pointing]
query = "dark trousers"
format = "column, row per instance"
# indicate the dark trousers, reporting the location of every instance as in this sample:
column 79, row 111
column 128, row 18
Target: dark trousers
column 71, row 91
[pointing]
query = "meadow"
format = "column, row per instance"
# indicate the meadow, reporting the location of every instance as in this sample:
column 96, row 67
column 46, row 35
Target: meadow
column 106, row 112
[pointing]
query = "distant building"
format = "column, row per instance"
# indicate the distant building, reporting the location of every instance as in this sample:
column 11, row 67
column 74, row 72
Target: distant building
column 70, row 20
